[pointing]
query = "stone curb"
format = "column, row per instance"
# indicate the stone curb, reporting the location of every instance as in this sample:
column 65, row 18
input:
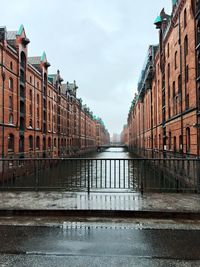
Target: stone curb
column 103, row 213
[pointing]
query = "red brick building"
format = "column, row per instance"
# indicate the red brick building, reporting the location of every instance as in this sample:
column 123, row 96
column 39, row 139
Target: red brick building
column 39, row 115
column 164, row 116
column 125, row 135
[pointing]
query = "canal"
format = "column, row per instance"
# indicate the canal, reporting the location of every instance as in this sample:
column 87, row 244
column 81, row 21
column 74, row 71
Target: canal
column 111, row 170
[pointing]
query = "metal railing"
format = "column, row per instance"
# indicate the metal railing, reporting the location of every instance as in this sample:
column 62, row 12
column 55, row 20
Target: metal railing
column 101, row 175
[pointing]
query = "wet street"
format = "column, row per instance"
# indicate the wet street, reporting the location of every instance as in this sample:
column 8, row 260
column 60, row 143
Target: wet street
column 98, row 244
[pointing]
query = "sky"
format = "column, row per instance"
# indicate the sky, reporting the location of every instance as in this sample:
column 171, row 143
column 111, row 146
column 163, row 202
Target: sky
column 102, row 44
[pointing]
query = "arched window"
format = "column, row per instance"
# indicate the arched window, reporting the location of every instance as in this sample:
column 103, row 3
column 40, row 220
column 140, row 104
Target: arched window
column 187, row 139
column 10, row 83
column 10, row 118
column 30, row 142
column 11, row 65
column 11, row 143
column 37, row 142
column 55, row 142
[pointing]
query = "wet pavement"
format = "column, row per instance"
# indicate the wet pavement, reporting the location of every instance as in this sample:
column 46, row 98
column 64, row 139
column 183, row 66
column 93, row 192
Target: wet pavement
column 100, row 201
column 108, row 245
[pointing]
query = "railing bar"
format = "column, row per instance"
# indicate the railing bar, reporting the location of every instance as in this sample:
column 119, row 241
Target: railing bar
column 76, row 174
column 85, row 174
column 96, row 173
column 110, row 173
column 124, row 162
column 105, row 173
column 114, row 173
column 101, row 173
column 119, row 174
column 92, row 174
column 80, row 173
column 128, row 162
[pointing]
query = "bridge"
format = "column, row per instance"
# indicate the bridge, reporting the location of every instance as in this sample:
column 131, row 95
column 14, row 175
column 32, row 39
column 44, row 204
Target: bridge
column 112, row 145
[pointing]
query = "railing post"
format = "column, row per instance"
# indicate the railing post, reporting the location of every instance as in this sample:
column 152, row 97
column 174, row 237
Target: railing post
column 36, row 169
column 141, row 181
column 198, row 176
column 88, row 178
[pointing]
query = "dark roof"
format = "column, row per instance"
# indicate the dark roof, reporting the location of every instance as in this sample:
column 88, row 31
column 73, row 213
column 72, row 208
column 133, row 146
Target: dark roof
column 11, row 35
column 63, row 88
column 34, row 60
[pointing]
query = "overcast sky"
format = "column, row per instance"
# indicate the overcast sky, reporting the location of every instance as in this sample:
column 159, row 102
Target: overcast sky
column 101, row 44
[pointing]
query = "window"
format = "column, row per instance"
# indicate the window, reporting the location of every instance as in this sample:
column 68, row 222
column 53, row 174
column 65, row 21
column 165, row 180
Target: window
column 10, row 118
column 180, row 143
column 170, row 140
column 174, row 143
column 38, row 99
column 23, row 60
column 30, row 95
column 174, row 89
column 187, row 74
column 37, row 142
column 168, row 50
column 54, row 142
column 168, row 72
column 185, row 18
column 179, row 84
column 10, row 83
column 185, row 46
column 30, row 109
column 10, row 102
column 38, row 113
column 11, row 143
column 21, row 144
column 31, row 79
column 175, row 60
column 31, row 122
column 187, row 140
column 11, row 65
column 49, row 142
column 30, row 142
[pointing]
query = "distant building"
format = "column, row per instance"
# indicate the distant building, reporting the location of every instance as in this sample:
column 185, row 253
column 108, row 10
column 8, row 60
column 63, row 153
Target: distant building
column 124, row 137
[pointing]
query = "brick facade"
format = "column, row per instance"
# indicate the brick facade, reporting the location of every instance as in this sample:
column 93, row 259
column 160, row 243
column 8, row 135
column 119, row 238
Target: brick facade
column 40, row 116
column 164, row 114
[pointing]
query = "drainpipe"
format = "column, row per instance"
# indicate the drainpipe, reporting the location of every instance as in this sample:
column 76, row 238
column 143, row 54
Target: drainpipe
column 181, row 70
column 3, row 89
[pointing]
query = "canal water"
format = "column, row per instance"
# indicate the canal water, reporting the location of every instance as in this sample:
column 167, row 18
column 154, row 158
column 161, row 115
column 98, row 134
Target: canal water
column 111, row 170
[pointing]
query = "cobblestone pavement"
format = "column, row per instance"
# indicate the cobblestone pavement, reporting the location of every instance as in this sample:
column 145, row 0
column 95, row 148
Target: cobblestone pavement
column 100, row 201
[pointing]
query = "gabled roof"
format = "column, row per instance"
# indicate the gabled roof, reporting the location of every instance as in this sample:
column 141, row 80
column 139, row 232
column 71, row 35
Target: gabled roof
column 21, row 29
